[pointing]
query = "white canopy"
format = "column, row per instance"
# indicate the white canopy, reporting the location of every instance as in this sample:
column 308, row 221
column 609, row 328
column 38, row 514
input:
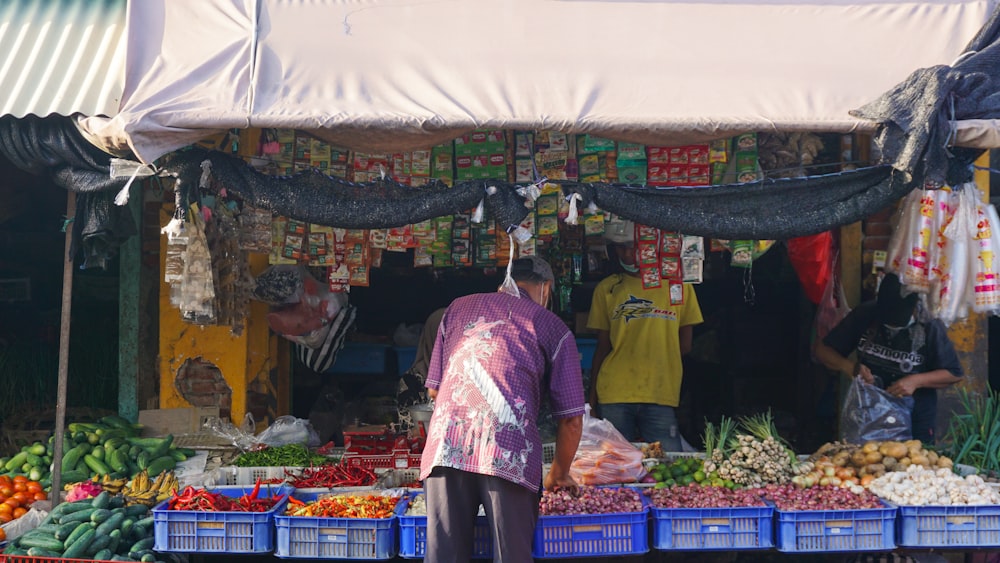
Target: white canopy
column 398, row 75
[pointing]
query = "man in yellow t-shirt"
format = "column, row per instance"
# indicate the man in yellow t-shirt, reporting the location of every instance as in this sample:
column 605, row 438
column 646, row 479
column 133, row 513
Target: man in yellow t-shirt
column 641, row 336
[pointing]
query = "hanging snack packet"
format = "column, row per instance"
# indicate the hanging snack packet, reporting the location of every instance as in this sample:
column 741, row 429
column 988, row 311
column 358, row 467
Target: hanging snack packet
column 650, row 276
column 671, row 244
column 676, row 293
column 670, row 267
column 693, row 270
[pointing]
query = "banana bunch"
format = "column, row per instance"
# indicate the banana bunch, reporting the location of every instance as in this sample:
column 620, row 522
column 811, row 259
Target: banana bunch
column 113, row 486
column 143, row 491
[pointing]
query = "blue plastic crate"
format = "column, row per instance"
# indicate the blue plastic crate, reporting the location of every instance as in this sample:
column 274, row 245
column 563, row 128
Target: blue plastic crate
column 218, row 532
column 413, row 535
column 587, row 535
column 948, row 526
column 360, row 358
column 869, row 529
column 707, row 529
column 586, row 347
column 335, row 538
column 404, row 358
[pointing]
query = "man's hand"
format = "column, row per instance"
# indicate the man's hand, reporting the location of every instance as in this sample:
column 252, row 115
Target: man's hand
column 862, row 371
column 904, row 387
column 551, row 481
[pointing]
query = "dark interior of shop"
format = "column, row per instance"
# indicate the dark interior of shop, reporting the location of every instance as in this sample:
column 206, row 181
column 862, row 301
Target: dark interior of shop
column 751, row 353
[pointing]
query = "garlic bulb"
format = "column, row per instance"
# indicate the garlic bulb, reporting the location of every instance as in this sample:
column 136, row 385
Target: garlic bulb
column 918, row 486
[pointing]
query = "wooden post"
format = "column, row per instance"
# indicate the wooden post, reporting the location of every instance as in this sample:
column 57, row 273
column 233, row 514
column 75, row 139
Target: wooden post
column 64, row 326
column 129, row 276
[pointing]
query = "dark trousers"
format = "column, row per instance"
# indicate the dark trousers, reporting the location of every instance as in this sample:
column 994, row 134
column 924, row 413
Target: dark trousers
column 453, row 499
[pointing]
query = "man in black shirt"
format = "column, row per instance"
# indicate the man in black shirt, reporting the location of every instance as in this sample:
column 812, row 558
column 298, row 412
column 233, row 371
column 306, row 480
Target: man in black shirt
column 904, row 356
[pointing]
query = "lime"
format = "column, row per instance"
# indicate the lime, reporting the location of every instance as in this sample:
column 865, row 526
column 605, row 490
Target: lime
column 670, row 482
column 699, row 476
column 718, row 483
column 662, row 485
column 687, row 480
column 729, row 484
column 677, row 471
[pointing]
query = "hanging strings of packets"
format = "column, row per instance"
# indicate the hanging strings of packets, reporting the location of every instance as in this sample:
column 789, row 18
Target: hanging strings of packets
column 668, row 258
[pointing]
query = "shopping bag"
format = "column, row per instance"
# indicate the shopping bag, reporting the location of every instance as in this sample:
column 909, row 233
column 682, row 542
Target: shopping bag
column 604, row 456
column 871, row 414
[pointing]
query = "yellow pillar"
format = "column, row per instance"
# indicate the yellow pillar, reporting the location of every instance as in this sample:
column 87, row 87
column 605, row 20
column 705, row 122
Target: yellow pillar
column 253, row 365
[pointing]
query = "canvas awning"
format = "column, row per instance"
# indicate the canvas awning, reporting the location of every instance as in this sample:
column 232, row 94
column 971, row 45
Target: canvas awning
column 389, row 75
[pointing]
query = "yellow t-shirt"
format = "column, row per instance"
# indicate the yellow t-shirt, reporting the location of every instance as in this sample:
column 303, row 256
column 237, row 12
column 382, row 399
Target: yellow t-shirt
column 644, row 365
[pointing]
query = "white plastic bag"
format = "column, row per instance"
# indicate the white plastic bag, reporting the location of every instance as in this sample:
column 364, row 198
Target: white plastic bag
column 604, row 456
column 289, row 430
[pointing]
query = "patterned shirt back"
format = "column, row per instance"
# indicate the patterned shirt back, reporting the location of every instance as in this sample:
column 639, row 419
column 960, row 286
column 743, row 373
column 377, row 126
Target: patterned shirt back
column 489, row 366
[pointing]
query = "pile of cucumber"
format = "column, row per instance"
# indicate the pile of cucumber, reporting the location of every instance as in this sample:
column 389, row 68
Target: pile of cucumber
column 110, row 446
column 101, row 528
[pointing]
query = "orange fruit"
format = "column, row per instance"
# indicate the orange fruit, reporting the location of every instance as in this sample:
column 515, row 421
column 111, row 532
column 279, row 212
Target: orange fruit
column 19, row 512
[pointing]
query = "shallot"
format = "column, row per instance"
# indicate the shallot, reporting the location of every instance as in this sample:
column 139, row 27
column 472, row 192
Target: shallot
column 697, row 496
column 589, row 500
column 822, row 497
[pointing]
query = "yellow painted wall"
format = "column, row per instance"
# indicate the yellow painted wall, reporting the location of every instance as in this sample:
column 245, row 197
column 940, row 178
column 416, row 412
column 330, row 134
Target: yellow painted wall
column 255, row 361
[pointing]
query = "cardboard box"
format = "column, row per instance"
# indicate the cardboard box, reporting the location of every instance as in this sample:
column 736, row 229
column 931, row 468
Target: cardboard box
column 160, row 422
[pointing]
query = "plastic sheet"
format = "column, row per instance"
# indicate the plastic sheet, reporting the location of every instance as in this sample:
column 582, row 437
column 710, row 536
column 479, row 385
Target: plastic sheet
column 871, row 414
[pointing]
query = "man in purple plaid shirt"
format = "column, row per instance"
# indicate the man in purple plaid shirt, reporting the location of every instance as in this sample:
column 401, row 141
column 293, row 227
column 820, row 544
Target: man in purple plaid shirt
column 496, row 358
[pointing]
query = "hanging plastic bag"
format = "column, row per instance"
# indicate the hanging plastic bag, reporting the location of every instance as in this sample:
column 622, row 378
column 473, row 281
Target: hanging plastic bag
column 832, row 306
column 871, row 414
column 899, row 242
column 983, row 257
column 916, row 270
column 604, row 456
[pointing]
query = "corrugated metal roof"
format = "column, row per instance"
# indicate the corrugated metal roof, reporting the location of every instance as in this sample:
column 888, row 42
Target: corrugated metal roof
column 61, row 56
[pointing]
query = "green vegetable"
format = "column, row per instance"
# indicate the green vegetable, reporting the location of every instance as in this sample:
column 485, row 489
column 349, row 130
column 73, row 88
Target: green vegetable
column 100, row 515
column 96, row 465
column 136, row 510
column 44, row 541
column 79, row 547
column 65, row 530
column 141, row 545
column 39, row 552
column 162, row 448
column 160, row 464
column 973, row 435
column 101, row 500
column 37, row 449
column 103, row 555
column 110, row 524
column 16, row 461
column 78, row 516
column 291, row 455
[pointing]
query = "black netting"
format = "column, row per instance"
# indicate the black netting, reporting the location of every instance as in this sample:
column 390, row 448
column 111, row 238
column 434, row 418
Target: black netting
column 325, row 200
column 768, row 209
column 53, row 147
column 915, row 115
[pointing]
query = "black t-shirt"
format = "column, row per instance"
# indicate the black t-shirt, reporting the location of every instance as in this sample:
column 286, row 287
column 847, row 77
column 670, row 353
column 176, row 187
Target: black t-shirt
column 892, row 354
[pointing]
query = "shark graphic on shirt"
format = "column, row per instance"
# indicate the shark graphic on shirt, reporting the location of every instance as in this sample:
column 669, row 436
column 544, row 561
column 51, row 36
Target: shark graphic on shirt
column 638, row 308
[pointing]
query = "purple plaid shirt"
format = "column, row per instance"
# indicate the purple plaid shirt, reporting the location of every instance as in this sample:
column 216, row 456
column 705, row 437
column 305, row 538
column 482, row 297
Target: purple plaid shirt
column 489, row 365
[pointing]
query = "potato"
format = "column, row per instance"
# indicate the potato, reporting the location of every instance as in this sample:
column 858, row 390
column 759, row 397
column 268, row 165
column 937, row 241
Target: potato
column 841, row 459
column 932, row 457
column 893, row 449
column 871, row 447
column 873, row 457
column 910, row 444
column 889, row 462
column 944, row 462
column 858, row 459
column 875, row 469
column 903, row 464
column 920, row 460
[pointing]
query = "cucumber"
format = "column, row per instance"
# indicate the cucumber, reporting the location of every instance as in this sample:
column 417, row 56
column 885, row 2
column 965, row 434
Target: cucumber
column 148, row 558
column 133, row 451
column 188, row 452
column 35, row 474
column 116, row 539
column 96, row 465
column 141, row 545
column 162, row 448
column 136, row 510
column 100, row 542
column 48, row 529
column 146, row 522
column 116, row 460
column 74, row 476
column 39, row 552
column 161, row 464
column 70, row 458
column 34, row 460
column 78, row 516
column 103, row 555
column 79, row 547
column 100, row 515
column 37, row 448
column 142, row 460
column 38, row 539
column 80, row 437
column 116, row 421
column 177, row 455
column 65, row 530
column 101, row 500
column 16, row 461
column 110, row 524
column 98, row 453
column 70, row 507
column 116, row 503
